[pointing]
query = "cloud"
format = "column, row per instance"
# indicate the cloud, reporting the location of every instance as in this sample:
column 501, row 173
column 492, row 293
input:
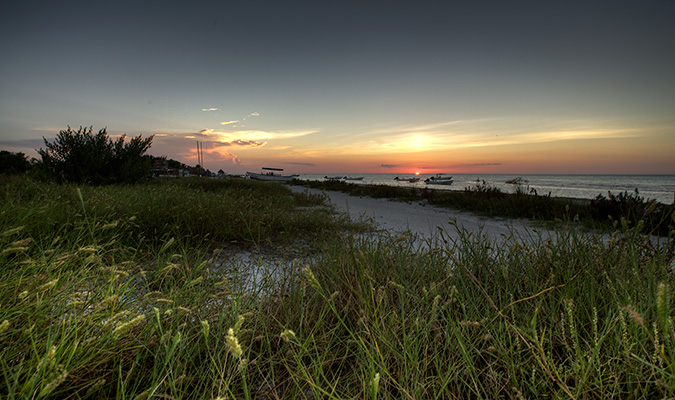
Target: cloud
column 240, row 143
column 264, row 135
column 226, row 155
column 388, row 165
column 253, row 114
column 229, row 122
column 210, row 109
column 241, row 138
column 302, row 163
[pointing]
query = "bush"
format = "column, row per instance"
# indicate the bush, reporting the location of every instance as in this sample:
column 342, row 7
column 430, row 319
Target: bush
column 13, row 163
column 83, row 157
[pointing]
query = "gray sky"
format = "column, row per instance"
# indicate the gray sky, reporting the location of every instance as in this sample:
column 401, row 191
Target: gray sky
column 536, row 86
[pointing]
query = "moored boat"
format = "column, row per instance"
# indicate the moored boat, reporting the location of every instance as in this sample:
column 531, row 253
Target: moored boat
column 270, row 175
column 411, row 180
column 353, row 178
column 439, row 180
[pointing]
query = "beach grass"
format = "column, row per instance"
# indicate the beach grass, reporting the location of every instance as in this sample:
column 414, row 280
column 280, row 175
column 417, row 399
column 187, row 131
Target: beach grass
column 130, row 292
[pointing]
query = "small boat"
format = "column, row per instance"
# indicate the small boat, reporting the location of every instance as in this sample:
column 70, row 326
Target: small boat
column 439, row 180
column 270, row 175
column 333, row 178
column 353, row 178
column 411, row 180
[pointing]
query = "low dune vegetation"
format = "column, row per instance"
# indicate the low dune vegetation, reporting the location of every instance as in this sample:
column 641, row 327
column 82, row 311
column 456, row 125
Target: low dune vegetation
column 603, row 213
column 128, row 292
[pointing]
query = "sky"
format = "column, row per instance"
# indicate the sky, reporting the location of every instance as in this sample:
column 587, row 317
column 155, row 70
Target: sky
column 321, row 87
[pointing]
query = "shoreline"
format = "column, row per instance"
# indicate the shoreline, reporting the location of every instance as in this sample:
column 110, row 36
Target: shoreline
column 583, row 187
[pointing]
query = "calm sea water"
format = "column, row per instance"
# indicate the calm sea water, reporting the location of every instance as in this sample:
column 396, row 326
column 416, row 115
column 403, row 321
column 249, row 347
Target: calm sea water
column 658, row 187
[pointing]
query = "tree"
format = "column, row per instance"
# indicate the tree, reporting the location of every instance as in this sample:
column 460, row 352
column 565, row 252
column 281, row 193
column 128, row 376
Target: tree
column 84, row 157
column 13, row 163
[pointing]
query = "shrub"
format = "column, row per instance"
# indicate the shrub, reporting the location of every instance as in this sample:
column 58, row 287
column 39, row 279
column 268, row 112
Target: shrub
column 13, row 163
column 84, row 157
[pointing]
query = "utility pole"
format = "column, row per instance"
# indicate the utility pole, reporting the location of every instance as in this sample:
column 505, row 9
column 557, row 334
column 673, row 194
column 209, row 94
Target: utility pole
column 200, row 157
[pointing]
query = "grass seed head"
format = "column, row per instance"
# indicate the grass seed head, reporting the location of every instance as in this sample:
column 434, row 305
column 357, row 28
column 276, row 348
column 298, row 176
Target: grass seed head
column 633, row 315
column 55, row 382
column 310, row 278
column 127, row 326
column 143, row 395
column 375, row 384
column 238, row 324
column 205, row 328
column 14, row 250
column 287, row 335
column 47, row 286
column 4, row 326
column 22, row 242
column 233, row 344
column 13, row 231
column 88, row 249
column 396, row 286
column 110, row 225
column 196, row 281
column 165, row 337
column 662, row 299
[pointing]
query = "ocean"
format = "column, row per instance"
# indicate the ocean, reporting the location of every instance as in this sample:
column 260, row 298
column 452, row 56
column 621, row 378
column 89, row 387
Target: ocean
column 658, row 187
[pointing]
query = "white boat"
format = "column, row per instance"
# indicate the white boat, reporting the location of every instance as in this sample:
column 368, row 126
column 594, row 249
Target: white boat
column 439, row 180
column 353, row 178
column 411, row 180
column 270, row 175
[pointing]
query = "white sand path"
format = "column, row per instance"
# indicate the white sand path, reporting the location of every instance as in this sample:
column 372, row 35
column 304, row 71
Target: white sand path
column 424, row 219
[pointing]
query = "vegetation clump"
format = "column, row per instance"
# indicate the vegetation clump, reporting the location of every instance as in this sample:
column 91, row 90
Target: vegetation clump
column 84, row 157
column 13, row 163
column 654, row 217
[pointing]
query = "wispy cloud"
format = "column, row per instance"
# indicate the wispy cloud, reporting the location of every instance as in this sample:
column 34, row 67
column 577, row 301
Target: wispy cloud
column 240, row 143
column 264, row 135
column 253, row 114
column 226, row 155
column 210, row 109
column 388, row 165
column 482, row 133
column 217, row 141
column 229, row 122
column 302, row 163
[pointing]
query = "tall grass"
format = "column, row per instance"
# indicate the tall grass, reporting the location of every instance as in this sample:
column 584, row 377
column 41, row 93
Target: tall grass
column 94, row 304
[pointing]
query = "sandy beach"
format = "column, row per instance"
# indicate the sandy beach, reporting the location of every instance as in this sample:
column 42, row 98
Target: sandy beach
column 423, row 219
